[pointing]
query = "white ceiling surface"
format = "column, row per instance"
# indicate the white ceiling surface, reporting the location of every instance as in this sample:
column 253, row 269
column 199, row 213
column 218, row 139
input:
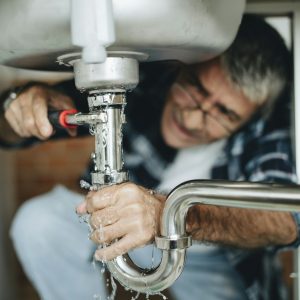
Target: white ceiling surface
column 283, row 26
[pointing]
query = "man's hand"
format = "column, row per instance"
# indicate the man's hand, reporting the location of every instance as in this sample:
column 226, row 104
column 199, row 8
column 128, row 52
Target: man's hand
column 28, row 113
column 127, row 213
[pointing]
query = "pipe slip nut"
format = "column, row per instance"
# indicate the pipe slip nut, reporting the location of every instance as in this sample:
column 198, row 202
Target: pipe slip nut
column 172, row 243
column 114, row 177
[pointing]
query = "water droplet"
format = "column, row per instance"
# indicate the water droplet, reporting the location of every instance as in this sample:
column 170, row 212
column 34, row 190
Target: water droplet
column 84, row 184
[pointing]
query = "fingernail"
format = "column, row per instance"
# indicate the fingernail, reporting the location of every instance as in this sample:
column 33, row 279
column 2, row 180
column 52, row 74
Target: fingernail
column 81, row 208
column 46, row 130
column 97, row 256
column 100, row 256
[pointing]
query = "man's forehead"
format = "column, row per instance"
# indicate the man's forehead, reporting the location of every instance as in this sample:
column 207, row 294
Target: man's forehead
column 206, row 66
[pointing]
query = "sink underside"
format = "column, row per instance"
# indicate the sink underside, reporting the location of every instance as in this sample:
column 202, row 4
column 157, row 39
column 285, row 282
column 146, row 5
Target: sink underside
column 190, row 30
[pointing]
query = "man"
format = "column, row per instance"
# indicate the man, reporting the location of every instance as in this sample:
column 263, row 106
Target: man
column 213, row 125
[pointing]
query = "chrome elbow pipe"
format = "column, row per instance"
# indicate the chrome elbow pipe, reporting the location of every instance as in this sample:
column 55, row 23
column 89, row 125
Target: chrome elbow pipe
column 174, row 240
column 148, row 281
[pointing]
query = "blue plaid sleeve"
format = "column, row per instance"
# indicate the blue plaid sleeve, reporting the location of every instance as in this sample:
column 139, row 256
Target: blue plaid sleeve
column 273, row 162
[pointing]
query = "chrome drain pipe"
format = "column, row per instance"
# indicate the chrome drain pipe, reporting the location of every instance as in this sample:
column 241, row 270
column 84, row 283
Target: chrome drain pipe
column 174, row 240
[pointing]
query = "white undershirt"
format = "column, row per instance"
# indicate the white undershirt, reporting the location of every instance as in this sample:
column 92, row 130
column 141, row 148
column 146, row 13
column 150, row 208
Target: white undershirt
column 192, row 163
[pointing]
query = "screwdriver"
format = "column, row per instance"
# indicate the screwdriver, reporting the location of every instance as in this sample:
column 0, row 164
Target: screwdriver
column 59, row 118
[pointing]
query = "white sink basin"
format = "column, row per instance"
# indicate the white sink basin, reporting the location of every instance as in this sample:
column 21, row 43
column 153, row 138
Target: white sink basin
column 35, row 32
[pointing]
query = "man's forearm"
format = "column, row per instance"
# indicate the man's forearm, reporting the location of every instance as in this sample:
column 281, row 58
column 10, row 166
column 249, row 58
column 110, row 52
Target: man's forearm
column 243, row 228
column 7, row 135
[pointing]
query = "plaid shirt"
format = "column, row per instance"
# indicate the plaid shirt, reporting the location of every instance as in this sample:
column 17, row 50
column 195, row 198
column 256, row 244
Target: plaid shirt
column 261, row 151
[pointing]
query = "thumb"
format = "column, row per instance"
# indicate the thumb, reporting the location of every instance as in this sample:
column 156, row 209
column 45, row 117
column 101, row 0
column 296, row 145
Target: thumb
column 72, row 131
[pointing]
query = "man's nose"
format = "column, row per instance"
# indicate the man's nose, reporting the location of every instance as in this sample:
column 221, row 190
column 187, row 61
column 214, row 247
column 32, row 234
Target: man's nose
column 207, row 105
column 193, row 119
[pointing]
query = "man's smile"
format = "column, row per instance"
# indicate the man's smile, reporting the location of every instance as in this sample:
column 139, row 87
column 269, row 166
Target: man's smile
column 178, row 123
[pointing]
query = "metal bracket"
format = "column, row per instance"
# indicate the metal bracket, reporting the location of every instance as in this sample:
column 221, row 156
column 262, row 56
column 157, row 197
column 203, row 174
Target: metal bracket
column 171, row 243
column 89, row 118
column 114, row 177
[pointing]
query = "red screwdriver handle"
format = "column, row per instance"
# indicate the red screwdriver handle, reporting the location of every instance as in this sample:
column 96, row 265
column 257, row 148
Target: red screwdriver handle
column 58, row 118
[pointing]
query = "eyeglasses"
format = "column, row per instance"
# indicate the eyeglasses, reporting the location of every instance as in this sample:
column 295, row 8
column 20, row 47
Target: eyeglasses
column 217, row 112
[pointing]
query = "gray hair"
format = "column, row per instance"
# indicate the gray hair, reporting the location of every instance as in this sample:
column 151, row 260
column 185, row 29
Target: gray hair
column 258, row 62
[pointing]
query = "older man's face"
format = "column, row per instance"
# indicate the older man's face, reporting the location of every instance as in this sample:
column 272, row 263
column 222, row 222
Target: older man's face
column 202, row 106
